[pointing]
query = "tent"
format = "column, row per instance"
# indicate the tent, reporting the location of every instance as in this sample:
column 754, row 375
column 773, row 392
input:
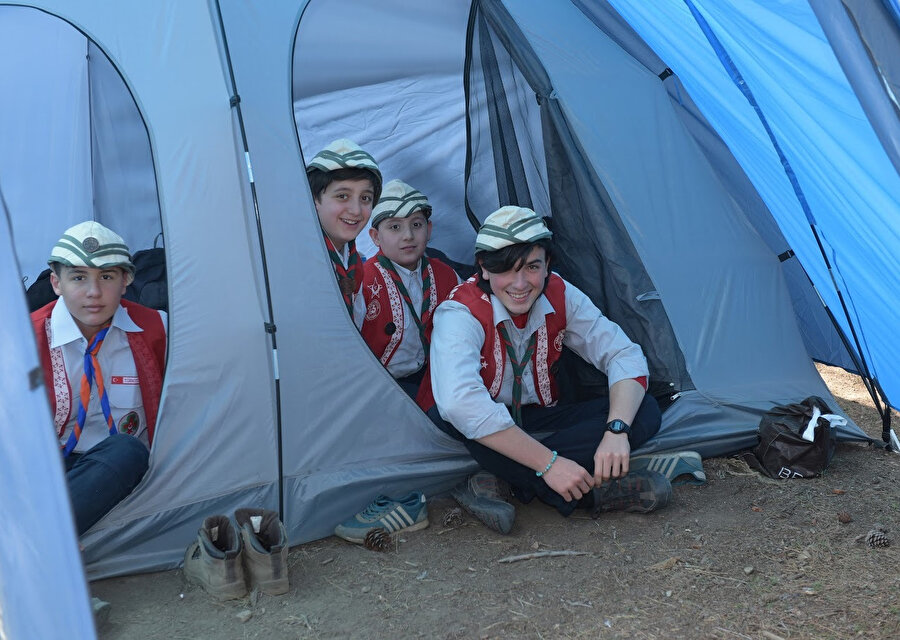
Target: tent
column 672, row 197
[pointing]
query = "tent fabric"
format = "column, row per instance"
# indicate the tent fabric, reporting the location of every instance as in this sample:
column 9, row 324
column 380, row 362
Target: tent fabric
column 36, row 525
column 153, row 140
column 849, row 182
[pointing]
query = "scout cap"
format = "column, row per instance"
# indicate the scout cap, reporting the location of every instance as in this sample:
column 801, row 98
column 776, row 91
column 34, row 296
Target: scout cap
column 399, row 200
column 90, row 244
column 344, row 154
column 508, row 226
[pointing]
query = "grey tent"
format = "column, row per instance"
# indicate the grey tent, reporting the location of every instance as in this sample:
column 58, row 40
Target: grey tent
column 194, row 120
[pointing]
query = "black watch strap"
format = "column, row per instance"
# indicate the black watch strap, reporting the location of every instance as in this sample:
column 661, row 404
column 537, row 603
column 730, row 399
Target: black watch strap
column 618, row 426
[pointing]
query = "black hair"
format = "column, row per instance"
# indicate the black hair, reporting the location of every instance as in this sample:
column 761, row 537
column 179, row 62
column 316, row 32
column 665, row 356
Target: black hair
column 509, row 258
column 319, row 180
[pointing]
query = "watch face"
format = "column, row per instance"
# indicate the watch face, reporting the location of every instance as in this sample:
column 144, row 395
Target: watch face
column 617, row 426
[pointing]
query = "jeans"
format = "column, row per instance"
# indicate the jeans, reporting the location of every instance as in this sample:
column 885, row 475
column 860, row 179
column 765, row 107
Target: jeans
column 101, row 478
column 575, row 433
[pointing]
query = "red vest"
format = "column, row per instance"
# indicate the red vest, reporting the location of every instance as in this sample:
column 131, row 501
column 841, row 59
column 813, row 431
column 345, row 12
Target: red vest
column 382, row 328
column 493, row 352
column 148, row 348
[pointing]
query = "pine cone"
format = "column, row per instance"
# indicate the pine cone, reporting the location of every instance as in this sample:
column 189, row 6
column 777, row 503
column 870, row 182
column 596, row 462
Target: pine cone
column 378, row 540
column 876, row 538
column 844, row 517
column 452, row 517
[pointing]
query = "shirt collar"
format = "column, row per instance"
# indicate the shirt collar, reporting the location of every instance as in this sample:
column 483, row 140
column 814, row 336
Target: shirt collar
column 539, row 310
column 403, row 271
column 64, row 330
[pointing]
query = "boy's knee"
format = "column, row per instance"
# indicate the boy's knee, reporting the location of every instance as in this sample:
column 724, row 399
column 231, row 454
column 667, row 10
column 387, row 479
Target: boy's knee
column 126, row 454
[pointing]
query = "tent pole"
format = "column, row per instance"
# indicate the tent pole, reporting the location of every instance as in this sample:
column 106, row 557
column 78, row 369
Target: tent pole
column 270, row 325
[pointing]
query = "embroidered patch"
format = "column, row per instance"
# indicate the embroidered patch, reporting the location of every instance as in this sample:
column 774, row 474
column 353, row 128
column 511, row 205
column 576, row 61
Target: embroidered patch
column 129, row 423
column 373, row 310
column 558, row 341
column 129, row 380
column 90, row 244
column 375, row 288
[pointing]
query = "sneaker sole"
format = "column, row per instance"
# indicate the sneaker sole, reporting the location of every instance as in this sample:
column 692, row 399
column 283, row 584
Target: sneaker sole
column 653, row 491
column 359, row 536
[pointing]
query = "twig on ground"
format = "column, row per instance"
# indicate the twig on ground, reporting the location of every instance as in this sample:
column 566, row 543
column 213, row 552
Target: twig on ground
column 739, row 635
column 770, row 635
column 541, row 554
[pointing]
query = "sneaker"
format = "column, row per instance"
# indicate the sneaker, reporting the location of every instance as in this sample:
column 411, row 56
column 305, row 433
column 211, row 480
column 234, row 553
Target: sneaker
column 637, row 492
column 485, row 497
column 214, row 560
column 265, row 550
column 680, row 467
column 408, row 513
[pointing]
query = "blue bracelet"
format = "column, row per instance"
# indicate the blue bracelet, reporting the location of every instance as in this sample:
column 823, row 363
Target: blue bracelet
column 547, row 468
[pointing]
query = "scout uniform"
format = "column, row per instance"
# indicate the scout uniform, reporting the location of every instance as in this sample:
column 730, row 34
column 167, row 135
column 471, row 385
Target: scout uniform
column 104, row 395
column 346, row 154
column 399, row 302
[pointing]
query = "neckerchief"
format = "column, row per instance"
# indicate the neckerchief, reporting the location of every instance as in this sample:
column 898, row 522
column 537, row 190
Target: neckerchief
column 518, row 367
column 91, row 374
column 418, row 316
column 348, row 279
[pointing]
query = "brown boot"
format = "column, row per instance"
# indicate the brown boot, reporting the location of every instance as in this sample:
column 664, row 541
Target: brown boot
column 265, row 549
column 214, row 560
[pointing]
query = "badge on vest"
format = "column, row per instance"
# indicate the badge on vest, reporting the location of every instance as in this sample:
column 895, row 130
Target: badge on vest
column 127, row 380
column 373, row 310
column 129, row 423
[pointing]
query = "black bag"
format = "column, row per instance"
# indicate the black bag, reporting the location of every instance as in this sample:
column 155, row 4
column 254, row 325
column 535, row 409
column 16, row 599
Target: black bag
column 150, row 287
column 40, row 292
column 782, row 451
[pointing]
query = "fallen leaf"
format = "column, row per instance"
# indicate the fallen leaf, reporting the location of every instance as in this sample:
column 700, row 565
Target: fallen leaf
column 755, row 508
column 838, row 492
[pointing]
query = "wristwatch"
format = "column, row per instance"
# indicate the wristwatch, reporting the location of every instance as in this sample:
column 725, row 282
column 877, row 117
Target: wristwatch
column 618, row 426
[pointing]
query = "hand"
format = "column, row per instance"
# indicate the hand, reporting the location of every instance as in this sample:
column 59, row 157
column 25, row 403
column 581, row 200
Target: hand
column 569, row 479
column 611, row 458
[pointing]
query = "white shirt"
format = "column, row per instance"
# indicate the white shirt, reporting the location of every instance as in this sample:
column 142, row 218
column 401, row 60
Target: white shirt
column 461, row 396
column 120, row 377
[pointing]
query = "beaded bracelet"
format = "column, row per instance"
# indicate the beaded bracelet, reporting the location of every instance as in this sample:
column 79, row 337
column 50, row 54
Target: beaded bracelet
column 547, row 468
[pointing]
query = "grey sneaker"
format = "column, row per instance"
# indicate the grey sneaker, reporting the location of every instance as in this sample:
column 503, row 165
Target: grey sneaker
column 680, row 467
column 485, row 497
column 214, row 560
column 265, row 550
column 637, row 492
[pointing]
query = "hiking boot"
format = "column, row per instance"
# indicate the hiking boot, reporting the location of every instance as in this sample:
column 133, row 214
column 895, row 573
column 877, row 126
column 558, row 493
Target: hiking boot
column 408, row 513
column 485, row 497
column 101, row 610
column 214, row 560
column 637, row 492
column 680, row 467
column 265, row 550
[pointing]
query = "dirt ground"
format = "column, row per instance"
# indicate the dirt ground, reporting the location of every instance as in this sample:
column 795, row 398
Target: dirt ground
column 740, row 557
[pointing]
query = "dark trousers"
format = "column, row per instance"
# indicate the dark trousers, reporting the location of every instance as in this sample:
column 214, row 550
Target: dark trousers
column 411, row 383
column 576, row 430
column 101, row 478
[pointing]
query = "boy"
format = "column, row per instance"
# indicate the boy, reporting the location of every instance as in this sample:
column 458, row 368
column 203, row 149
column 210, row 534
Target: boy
column 103, row 360
column 401, row 286
column 495, row 344
column 345, row 182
